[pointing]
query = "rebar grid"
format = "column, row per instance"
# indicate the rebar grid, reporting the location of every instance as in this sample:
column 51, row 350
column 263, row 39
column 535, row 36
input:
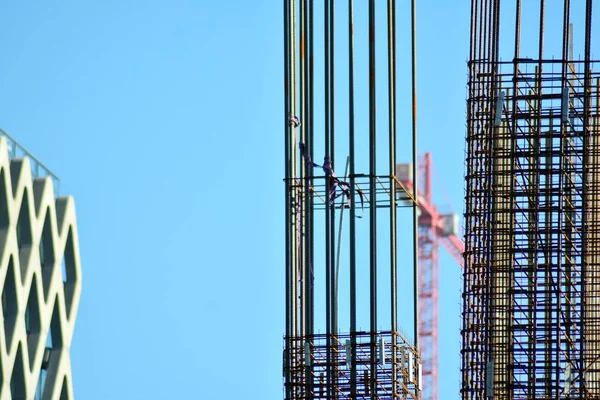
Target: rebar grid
column 531, row 296
column 310, row 353
column 531, row 300
column 315, row 243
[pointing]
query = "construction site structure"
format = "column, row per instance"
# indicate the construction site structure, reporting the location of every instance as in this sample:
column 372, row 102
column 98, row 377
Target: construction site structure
column 435, row 228
column 531, row 300
column 337, row 279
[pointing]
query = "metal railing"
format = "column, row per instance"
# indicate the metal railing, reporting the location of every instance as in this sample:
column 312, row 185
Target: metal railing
column 38, row 169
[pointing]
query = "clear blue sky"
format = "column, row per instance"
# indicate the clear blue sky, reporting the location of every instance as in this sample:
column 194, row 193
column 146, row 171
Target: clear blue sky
column 164, row 120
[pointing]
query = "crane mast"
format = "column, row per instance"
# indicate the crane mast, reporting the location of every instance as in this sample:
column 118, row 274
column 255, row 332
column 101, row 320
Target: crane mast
column 433, row 229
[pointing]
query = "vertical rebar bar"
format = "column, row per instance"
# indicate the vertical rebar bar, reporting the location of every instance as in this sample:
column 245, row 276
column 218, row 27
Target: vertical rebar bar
column 310, row 205
column 352, row 249
column 287, row 110
column 415, row 216
column 584, row 184
column 373, row 192
column 517, row 31
column 301, row 133
column 306, row 174
column 391, row 23
column 334, row 308
column 329, row 225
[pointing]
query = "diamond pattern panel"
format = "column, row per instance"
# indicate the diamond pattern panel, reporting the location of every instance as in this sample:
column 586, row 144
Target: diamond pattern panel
column 40, row 279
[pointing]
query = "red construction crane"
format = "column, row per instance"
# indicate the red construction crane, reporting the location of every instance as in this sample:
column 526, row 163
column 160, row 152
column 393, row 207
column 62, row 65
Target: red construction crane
column 434, row 229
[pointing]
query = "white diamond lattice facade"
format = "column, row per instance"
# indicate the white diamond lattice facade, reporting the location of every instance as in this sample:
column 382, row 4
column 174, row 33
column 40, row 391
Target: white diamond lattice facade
column 40, row 282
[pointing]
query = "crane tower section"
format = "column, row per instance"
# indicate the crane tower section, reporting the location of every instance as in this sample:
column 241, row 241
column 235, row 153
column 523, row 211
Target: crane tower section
column 434, row 229
column 531, row 299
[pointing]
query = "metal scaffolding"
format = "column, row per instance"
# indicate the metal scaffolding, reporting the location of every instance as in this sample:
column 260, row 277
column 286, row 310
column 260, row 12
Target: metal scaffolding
column 345, row 362
column 531, row 299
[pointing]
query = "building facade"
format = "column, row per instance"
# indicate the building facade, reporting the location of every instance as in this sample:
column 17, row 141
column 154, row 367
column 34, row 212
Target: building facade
column 40, row 279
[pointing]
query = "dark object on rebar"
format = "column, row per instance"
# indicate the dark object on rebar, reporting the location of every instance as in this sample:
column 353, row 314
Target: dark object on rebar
column 334, row 181
column 294, row 121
